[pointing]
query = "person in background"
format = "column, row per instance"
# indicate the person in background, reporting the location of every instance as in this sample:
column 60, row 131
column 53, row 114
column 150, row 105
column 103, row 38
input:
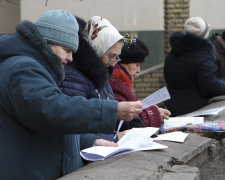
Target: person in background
column 190, row 70
column 35, row 115
column 218, row 42
column 132, row 56
column 88, row 75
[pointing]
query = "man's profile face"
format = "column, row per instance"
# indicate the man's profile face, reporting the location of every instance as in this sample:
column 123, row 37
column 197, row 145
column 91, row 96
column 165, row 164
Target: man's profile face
column 65, row 54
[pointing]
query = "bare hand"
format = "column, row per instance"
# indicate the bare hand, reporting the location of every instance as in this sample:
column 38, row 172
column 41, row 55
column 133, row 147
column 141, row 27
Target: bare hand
column 128, row 110
column 103, row 142
column 121, row 134
column 164, row 113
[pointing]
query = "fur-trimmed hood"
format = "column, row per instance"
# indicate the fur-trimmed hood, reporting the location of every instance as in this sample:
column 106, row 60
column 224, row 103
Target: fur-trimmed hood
column 87, row 62
column 27, row 41
column 186, row 43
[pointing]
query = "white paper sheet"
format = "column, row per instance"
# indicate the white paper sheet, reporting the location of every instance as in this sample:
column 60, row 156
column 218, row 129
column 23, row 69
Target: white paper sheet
column 176, row 122
column 137, row 139
column 176, row 136
column 208, row 112
column 136, row 136
column 155, row 98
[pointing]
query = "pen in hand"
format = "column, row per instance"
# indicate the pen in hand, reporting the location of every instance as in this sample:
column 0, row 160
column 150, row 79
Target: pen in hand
column 118, row 129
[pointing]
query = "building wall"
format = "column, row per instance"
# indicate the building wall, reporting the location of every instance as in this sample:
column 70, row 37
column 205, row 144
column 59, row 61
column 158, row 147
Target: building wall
column 144, row 19
column 132, row 15
column 211, row 10
column 9, row 16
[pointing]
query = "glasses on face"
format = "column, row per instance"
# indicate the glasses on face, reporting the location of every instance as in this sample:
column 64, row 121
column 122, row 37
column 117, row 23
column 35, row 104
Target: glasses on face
column 114, row 59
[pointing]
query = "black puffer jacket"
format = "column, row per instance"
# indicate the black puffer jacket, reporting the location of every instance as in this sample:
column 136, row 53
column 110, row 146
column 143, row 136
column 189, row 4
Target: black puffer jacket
column 190, row 74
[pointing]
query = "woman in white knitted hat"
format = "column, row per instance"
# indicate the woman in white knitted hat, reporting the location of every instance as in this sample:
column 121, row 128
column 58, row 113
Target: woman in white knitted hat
column 190, row 70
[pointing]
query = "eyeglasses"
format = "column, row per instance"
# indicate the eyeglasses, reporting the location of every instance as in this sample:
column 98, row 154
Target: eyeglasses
column 114, row 59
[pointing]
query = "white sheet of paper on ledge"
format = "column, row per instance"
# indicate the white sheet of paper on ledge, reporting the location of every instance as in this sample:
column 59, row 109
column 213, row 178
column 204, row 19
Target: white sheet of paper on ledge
column 176, row 122
column 137, row 139
column 155, row 98
column 176, row 136
column 207, row 112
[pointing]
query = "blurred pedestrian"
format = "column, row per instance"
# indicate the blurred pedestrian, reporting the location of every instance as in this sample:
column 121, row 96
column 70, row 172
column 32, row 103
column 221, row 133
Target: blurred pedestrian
column 190, row 70
column 218, row 42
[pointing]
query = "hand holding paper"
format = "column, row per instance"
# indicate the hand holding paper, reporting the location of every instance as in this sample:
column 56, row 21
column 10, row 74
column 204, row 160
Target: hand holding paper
column 128, row 110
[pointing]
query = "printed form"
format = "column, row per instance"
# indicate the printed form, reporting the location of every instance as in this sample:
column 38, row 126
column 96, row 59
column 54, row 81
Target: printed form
column 155, row 98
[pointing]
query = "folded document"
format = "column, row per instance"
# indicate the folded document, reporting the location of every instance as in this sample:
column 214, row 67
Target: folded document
column 207, row 112
column 177, row 136
column 137, row 139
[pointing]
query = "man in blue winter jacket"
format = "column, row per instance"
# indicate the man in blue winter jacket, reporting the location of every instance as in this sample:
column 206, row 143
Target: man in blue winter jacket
column 36, row 118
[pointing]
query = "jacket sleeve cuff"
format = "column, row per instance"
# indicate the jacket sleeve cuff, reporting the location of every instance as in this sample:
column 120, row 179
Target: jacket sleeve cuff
column 109, row 115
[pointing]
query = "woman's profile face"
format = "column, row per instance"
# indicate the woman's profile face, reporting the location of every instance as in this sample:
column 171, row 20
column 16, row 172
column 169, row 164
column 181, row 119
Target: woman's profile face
column 111, row 57
column 133, row 69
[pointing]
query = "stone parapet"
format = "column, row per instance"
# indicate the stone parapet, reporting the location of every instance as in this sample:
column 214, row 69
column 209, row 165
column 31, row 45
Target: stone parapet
column 180, row 161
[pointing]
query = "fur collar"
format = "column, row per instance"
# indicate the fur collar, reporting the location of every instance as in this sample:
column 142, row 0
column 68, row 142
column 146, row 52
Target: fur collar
column 119, row 74
column 29, row 32
column 87, row 62
column 182, row 43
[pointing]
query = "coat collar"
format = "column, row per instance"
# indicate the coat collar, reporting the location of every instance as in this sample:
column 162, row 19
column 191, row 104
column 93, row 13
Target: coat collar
column 119, row 73
column 186, row 43
column 88, row 63
column 44, row 54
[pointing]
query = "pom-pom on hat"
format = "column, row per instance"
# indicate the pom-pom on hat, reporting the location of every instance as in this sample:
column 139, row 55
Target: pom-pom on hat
column 134, row 50
column 59, row 27
column 197, row 26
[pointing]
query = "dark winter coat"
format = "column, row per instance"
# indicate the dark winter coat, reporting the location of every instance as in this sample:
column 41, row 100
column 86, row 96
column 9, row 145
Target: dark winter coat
column 190, row 74
column 87, row 76
column 122, row 86
column 220, row 55
column 35, row 115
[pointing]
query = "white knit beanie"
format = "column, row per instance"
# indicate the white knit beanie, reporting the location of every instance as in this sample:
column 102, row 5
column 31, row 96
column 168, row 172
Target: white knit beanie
column 197, row 26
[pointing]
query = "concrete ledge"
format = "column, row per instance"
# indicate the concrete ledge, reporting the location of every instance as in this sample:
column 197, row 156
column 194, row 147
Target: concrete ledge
column 157, row 164
column 181, row 172
column 174, row 163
